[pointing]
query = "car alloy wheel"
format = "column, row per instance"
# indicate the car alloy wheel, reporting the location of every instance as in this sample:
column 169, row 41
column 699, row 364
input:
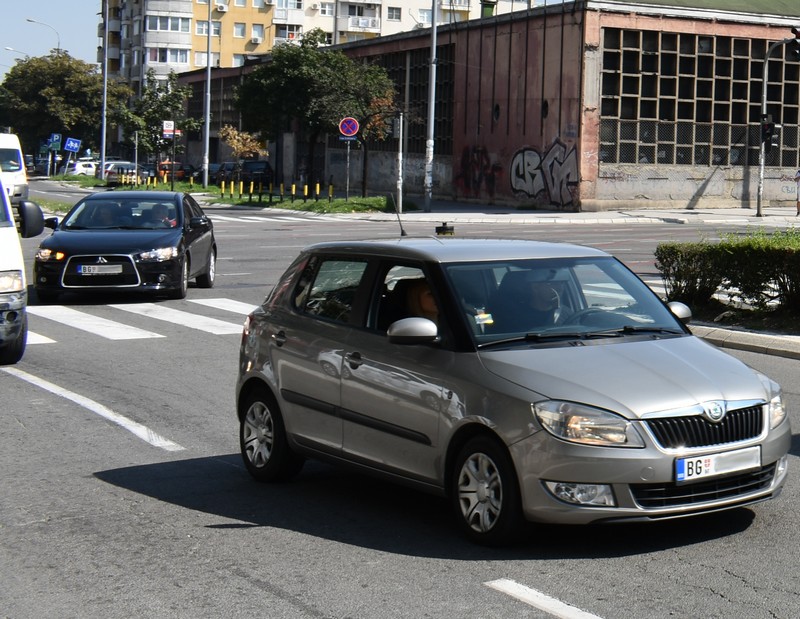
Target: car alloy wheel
column 485, row 493
column 206, row 280
column 262, row 438
column 183, row 288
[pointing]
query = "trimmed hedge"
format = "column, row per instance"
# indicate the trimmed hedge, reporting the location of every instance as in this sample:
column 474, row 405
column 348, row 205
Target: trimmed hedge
column 758, row 269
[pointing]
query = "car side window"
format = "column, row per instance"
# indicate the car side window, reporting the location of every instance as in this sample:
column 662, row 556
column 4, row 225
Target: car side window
column 332, row 290
column 406, row 292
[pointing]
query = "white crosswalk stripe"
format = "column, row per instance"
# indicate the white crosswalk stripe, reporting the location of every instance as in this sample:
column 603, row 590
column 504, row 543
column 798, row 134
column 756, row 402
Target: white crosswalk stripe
column 274, row 218
column 179, row 317
column 228, row 305
column 103, row 327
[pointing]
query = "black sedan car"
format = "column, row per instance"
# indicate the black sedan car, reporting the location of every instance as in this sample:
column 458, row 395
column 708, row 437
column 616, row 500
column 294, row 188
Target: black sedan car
column 128, row 240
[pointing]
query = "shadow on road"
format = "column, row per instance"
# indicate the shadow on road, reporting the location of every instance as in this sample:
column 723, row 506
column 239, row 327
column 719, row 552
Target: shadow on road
column 346, row 507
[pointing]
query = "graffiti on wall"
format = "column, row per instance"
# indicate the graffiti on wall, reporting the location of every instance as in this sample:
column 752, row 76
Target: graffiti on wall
column 477, row 173
column 554, row 172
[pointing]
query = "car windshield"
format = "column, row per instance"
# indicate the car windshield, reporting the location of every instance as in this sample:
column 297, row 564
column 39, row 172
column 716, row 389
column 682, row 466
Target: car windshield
column 10, row 160
column 122, row 213
column 557, row 299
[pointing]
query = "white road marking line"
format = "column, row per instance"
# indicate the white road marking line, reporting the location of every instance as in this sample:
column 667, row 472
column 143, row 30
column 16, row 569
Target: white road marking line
column 136, row 428
column 228, row 305
column 35, row 338
column 108, row 329
column 539, row 600
column 186, row 319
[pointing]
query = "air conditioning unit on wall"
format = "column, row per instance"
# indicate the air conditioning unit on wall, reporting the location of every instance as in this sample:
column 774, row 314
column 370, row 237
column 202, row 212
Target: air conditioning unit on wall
column 314, row 7
column 222, row 8
column 270, row 2
column 257, row 40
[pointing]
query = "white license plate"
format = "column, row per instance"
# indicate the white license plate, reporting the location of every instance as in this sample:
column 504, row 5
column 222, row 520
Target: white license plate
column 99, row 269
column 689, row 469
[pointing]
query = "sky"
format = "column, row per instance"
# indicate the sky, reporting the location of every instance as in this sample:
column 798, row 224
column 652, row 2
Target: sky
column 75, row 23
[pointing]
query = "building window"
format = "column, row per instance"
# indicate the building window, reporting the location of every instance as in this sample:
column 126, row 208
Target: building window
column 239, row 30
column 355, row 10
column 168, row 24
column 290, row 4
column 393, row 13
column 289, row 31
column 238, row 60
column 326, row 9
column 258, row 31
column 239, row 3
column 167, row 55
column 424, row 16
column 201, row 28
column 200, row 59
column 258, row 4
column 202, row 1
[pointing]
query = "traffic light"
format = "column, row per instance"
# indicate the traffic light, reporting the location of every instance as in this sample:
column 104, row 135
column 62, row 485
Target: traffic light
column 767, row 131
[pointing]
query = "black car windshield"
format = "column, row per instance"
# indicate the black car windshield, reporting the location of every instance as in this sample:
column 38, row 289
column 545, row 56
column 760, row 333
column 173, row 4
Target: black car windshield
column 122, row 213
column 541, row 300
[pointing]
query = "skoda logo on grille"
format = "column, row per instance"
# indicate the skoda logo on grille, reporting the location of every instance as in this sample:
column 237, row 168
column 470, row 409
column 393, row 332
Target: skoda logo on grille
column 713, row 411
column 101, row 260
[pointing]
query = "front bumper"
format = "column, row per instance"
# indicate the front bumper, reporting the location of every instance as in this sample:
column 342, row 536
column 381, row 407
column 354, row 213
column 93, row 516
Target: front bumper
column 54, row 276
column 642, row 480
column 12, row 315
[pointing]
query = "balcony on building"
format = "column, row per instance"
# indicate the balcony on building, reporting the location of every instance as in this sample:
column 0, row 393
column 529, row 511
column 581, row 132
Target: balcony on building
column 353, row 23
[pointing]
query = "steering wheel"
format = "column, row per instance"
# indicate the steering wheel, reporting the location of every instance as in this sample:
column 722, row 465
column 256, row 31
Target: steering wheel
column 578, row 317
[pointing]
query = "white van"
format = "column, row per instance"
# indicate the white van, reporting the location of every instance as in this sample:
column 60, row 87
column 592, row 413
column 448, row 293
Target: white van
column 12, row 168
column 13, row 287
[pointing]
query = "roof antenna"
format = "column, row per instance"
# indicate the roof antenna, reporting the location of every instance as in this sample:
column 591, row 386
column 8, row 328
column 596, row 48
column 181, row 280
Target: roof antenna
column 396, row 212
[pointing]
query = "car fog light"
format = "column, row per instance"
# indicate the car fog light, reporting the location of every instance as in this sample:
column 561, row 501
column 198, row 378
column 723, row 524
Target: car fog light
column 582, row 494
column 783, row 464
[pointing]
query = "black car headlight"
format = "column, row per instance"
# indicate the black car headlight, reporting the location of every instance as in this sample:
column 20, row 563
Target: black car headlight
column 159, row 255
column 579, row 423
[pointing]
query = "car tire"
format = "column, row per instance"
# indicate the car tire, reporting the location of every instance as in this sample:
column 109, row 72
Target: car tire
column 181, row 291
column 206, row 280
column 262, row 439
column 13, row 352
column 485, row 493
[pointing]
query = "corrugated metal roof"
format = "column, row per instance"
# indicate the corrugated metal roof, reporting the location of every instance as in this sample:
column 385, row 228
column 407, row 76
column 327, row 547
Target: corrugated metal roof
column 783, row 8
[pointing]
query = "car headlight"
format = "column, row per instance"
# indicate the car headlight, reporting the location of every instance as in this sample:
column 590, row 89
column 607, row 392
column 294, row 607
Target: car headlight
column 45, row 255
column 158, row 255
column 578, row 423
column 10, row 281
column 777, row 412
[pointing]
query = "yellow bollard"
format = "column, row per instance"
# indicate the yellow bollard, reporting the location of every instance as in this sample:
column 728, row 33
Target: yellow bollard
column 222, row 188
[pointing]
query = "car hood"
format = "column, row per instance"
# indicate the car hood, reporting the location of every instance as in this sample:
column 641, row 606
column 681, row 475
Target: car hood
column 630, row 377
column 111, row 241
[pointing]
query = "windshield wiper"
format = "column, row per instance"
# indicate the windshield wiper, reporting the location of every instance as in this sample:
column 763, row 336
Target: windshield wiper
column 548, row 336
column 637, row 329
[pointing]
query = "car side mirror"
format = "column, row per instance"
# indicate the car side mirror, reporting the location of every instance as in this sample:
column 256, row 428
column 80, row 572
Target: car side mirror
column 51, row 222
column 31, row 219
column 412, row 331
column 681, row 311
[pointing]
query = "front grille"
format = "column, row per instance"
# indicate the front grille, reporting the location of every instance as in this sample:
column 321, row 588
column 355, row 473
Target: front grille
column 696, row 431
column 652, row 496
column 72, row 277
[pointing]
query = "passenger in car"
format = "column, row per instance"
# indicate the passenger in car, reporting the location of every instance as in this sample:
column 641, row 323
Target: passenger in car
column 420, row 301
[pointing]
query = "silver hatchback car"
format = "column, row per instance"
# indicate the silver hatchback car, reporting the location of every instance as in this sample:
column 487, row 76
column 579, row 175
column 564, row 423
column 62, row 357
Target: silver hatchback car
column 523, row 380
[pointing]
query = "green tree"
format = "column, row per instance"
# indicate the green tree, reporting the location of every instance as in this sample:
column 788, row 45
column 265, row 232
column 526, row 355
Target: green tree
column 161, row 100
column 314, row 87
column 57, row 94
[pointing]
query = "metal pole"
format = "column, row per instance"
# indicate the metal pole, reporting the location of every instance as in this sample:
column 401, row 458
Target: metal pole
column 400, row 164
column 207, row 103
column 105, row 93
column 431, row 110
column 762, row 154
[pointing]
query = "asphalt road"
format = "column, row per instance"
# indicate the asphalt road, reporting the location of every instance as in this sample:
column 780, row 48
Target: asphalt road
column 124, row 494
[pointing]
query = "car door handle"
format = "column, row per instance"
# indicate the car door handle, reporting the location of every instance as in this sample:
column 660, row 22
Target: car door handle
column 279, row 338
column 353, row 359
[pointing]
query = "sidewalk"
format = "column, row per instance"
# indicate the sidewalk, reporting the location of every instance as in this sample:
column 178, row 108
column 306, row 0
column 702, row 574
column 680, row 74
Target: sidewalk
column 453, row 212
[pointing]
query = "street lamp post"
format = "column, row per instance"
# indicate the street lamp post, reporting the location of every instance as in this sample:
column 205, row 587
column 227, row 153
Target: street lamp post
column 762, row 153
column 41, row 23
column 207, row 102
column 16, row 51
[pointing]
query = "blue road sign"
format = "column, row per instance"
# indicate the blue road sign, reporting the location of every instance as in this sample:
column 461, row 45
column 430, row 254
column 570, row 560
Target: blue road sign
column 72, row 145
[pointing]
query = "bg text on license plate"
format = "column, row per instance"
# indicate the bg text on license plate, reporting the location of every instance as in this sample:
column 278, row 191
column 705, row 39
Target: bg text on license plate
column 697, row 467
column 99, row 269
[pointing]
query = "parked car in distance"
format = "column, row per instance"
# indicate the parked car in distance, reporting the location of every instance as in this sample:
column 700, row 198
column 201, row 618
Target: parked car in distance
column 153, row 241
column 256, row 171
column 525, row 381
column 81, row 168
column 225, row 172
column 182, row 171
column 115, row 171
column 213, row 168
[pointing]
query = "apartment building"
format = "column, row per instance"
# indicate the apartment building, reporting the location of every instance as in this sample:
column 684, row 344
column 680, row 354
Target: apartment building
column 173, row 35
